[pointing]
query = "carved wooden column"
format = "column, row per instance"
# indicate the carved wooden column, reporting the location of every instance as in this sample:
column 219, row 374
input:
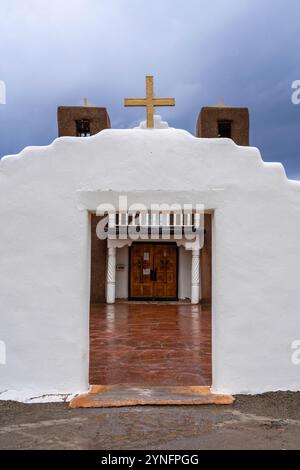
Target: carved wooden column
column 195, row 296
column 111, row 276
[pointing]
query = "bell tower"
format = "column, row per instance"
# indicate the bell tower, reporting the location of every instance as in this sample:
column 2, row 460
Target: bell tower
column 82, row 121
column 224, row 122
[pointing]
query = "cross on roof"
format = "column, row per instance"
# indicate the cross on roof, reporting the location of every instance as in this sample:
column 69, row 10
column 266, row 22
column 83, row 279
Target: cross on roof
column 222, row 104
column 150, row 102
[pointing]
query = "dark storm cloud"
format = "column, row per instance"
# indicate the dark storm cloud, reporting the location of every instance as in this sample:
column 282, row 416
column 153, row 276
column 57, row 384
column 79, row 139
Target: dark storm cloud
column 55, row 53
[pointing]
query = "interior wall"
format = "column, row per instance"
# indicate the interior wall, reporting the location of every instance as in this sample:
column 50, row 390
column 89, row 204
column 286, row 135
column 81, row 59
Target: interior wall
column 98, row 264
column 184, row 274
column 206, row 262
column 122, row 275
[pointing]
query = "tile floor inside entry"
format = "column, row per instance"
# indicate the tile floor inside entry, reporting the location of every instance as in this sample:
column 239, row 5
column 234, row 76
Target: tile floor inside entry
column 150, row 345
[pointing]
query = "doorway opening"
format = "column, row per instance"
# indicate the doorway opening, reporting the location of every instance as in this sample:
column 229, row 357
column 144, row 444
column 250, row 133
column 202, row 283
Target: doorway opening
column 140, row 340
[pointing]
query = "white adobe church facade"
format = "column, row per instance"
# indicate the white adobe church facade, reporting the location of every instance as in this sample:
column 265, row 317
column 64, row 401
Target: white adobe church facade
column 47, row 197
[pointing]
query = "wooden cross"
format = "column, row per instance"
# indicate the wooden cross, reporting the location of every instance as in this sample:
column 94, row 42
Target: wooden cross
column 222, row 104
column 150, row 102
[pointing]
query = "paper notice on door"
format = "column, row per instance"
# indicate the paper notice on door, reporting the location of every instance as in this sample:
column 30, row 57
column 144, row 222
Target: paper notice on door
column 146, row 256
column 146, row 272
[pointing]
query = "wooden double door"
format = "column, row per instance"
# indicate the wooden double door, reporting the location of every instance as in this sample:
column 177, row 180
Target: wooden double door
column 153, row 271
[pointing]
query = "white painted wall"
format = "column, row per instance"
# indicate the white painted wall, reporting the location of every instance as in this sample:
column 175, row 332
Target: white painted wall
column 45, row 195
column 184, row 275
column 122, row 276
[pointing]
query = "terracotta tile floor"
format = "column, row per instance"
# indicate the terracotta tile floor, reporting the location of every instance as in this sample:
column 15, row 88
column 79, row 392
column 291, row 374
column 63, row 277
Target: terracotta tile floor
column 150, row 345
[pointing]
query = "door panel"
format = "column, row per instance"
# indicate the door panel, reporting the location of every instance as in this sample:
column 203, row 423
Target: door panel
column 165, row 268
column 153, row 271
column 141, row 271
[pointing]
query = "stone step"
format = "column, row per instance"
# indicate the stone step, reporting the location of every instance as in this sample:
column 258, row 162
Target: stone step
column 117, row 396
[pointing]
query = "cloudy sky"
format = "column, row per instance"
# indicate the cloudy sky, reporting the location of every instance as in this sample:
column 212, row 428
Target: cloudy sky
column 58, row 52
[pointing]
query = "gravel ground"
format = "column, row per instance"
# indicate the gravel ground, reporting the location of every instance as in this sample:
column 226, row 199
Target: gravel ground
column 269, row 421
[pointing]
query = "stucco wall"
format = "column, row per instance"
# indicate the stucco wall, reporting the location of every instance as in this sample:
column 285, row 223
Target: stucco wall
column 184, row 274
column 45, row 195
column 122, row 276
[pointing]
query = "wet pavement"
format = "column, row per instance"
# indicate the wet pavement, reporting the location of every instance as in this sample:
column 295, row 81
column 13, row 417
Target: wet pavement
column 270, row 421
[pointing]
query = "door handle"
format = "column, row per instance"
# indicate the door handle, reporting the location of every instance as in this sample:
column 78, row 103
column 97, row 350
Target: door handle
column 155, row 275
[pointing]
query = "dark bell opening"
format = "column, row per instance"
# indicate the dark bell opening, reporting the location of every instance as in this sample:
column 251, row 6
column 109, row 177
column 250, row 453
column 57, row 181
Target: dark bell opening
column 83, row 128
column 224, row 129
